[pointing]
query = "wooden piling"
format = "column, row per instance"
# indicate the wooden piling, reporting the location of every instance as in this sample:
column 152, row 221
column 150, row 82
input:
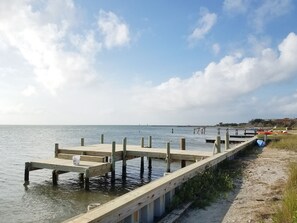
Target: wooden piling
column 227, row 141
column 27, row 171
column 82, row 142
column 183, row 147
column 219, row 131
column 87, row 180
column 124, row 166
column 102, row 139
column 168, row 159
column 55, row 177
column 149, row 158
column 142, row 142
column 142, row 158
column 56, row 150
column 113, row 161
column 218, row 144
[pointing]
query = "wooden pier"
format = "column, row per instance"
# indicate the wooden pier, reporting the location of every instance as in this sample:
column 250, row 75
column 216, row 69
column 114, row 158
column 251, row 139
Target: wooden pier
column 231, row 141
column 100, row 159
column 148, row 203
column 144, row 204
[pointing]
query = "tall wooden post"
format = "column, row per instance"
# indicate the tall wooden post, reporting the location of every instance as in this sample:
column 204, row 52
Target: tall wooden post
column 124, row 167
column 102, row 139
column 150, row 141
column 113, row 149
column 183, row 147
column 149, row 158
column 141, row 158
column 218, row 144
column 82, row 142
column 55, row 177
column 168, row 158
column 27, row 170
column 227, row 141
column 56, row 150
column 87, row 180
column 142, row 142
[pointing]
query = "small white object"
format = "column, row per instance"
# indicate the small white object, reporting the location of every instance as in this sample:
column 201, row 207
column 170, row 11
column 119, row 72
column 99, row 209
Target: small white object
column 76, row 160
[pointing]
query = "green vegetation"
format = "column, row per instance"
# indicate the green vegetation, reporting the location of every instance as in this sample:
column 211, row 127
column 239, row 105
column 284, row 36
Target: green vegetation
column 287, row 212
column 208, row 186
column 281, row 124
column 287, row 142
column 285, row 122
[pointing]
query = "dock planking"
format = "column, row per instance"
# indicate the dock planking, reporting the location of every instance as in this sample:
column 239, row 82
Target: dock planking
column 94, row 159
column 231, row 141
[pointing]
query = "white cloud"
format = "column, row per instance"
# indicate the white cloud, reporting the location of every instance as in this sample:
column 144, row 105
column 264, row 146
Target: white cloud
column 221, row 83
column 114, row 30
column 216, row 48
column 205, row 23
column 235, row 6
column 268, row 11
column 29, row 91
column 41, row 40
column 11, row 109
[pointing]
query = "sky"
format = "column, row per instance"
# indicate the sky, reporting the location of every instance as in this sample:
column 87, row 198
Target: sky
column 151, row 62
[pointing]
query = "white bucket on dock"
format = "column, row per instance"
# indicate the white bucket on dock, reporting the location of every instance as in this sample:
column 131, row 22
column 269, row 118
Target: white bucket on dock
column 76, row 160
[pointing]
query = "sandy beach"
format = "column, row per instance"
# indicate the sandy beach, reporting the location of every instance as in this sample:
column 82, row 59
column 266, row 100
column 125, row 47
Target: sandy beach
column 256, row 192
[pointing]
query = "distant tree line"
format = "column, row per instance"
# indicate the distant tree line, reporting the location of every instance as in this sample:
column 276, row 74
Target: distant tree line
column 285, row 122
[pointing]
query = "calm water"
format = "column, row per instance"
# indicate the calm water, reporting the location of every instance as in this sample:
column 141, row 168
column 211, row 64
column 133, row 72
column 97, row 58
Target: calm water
column 40, row 201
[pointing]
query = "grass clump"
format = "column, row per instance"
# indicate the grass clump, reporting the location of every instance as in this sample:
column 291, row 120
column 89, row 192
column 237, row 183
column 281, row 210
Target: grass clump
column 287, row 212
column 206, row 187
column 287, row 142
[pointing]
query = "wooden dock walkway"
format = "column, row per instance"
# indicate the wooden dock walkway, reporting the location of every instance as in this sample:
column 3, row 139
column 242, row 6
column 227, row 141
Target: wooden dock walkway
column 100, row 159
column 149, row 202
column 231, row 141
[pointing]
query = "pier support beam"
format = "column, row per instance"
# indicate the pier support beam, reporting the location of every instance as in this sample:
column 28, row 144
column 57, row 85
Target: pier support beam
column 124, row 167
column 227, row 146
column 55, row 177
column 56, row 150
column 218, row 144
column 168, row 158
column 27, row 171
column 82, row 142
column 149, row 158
column 113, row 149
column 183, row 147
column 142, row 158
column 102, row 139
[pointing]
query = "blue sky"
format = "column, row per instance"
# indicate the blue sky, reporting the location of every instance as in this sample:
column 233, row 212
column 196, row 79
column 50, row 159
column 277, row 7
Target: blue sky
column 147, row 62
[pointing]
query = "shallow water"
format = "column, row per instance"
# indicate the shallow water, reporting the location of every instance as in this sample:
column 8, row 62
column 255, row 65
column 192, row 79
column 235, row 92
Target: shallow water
column 41, row 202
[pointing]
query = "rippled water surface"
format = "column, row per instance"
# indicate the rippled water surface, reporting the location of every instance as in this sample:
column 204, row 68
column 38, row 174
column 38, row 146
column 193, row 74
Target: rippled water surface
column 40, row 201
